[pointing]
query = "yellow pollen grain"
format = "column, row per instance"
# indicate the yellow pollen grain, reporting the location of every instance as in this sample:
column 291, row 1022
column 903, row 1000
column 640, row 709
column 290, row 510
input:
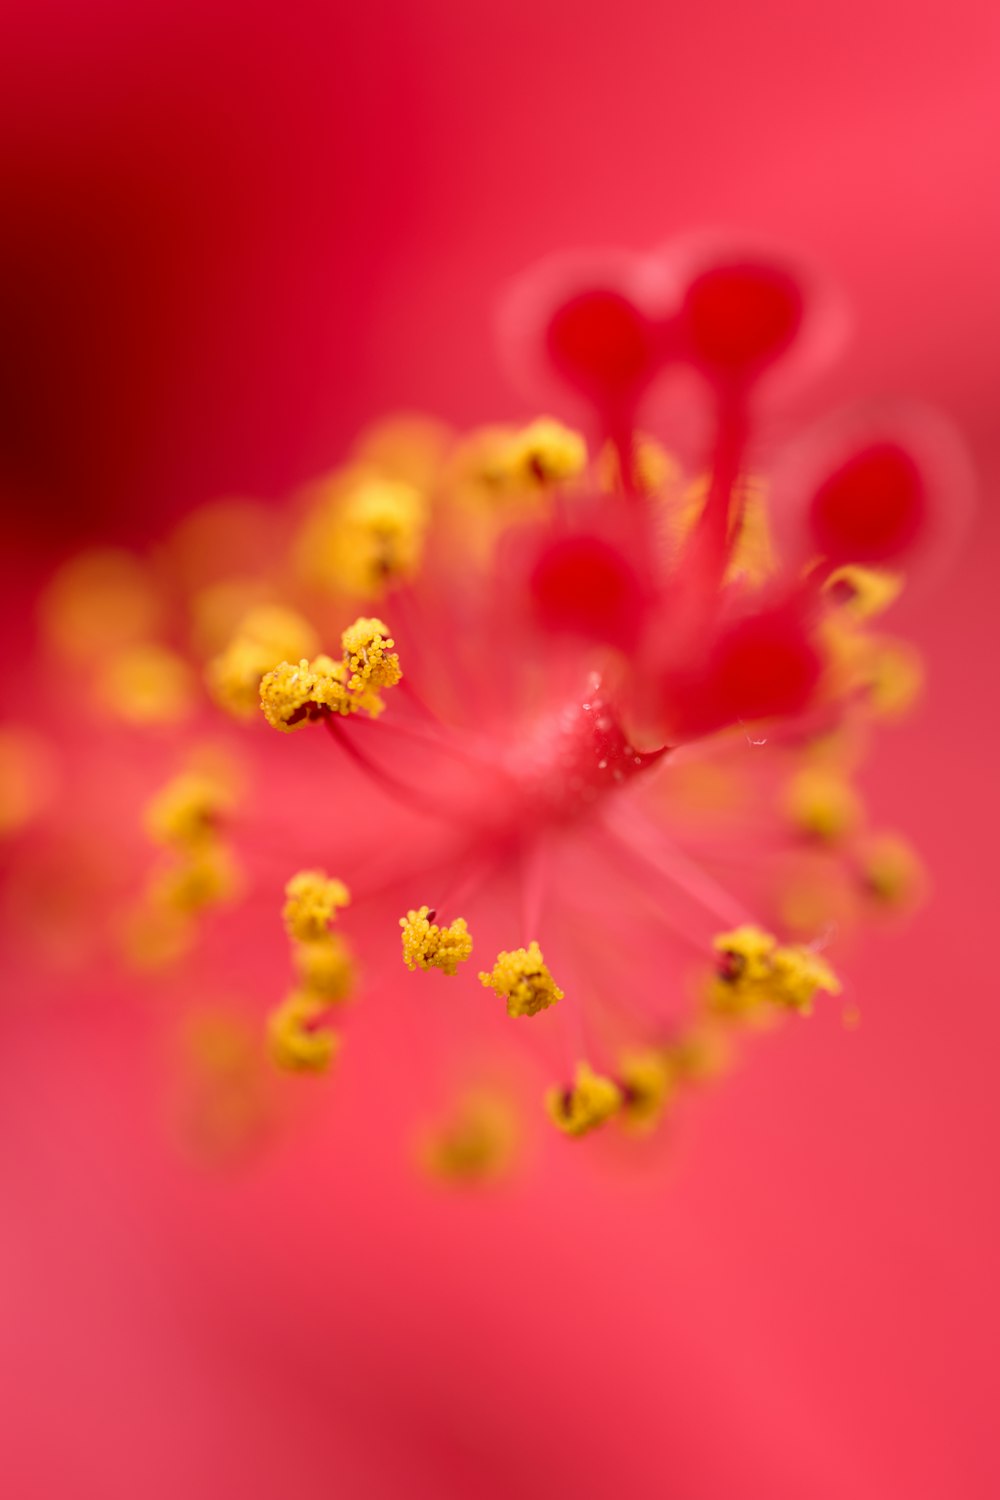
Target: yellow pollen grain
column 312, row 901
column 521, row 977
column 428, row 946
column 592, row 1100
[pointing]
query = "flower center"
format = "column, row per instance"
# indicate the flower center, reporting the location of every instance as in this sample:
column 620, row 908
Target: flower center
column 576, row 756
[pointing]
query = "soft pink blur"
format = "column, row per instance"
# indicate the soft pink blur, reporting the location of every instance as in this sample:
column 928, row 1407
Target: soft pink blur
column 229, row 236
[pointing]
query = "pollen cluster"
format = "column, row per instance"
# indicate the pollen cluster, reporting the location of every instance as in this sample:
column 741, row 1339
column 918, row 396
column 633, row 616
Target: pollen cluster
column 299, row 1033
column 522, row 978
column 292, row 695
column 428, row 946
column 755, row 969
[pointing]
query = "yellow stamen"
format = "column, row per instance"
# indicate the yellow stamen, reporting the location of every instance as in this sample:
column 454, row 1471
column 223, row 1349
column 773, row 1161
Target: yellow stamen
column 186, row 812
column 368, row 655
column 146, row 684
column 428, row 946
column 757, row 970
column 863, row 592
column 267, row 636
column 890, row 870
column 475, row 1143
column 647, row 1080
column 365, row 534
column 326, row 968
column 202, row 877
column 591, row 1101
column 821, row 804
column 312, row 903
column 522, row 979
column 299, row 1042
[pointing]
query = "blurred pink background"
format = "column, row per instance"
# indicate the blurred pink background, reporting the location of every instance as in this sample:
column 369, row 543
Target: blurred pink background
column 228, row 236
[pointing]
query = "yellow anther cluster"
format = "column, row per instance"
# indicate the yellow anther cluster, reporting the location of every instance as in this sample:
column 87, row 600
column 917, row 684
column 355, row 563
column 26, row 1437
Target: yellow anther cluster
column 27, row 777
column 653, row 468
column 756, row 969
column 522, row 979
column 292, row 695
column 145, row 684
column 476, row 1143
column 187, row 812
column 428, row 946
column 299, row 1040
column 186, row 817
column 267, row 636
column 820, row 803
column 591, row 1101
column 545, row 452
column 100, row 600
column 202, row 877
column 752, row 558
column 298, row 1029
column 890, row 870
column 863, row 592
column 365, row 534
column 368, row 655
column 647, row 1079
column 325, row 968
column 312, row 901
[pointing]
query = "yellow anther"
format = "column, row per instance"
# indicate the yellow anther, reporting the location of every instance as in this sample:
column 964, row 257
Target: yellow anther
column 292, row 695
column 647, row 1080
column 366, row 533
column 752, row 557
column 146, row 684
column 99, row 600
column 894, row 677
column 890, row 870
column 797, row 976
column 862, row 592
column 368, row 655
column 202, row 877
column 267, row 636
column 325, row 968
column 653, row 468
column 312, row 902
column 545, row 452
column 475, row 1143
column 27, row 777
column 299, row 1039
column 286, row 695
column 820, row 803
column 702, row 1051
column 428, row 946
column 522, row 979
column 754, row 969
column 186, row 812
column 154, row 937
column 591, row 1101
column 745, row 955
